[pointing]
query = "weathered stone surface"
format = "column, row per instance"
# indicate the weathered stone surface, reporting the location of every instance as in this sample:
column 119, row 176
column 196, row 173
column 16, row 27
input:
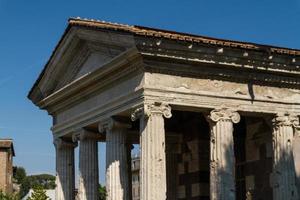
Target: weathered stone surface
column 88, row 165
column 152, row 143
column 222, row 182
column 65, row 173
column 117, row 177
column 100, row 70
column 283, row 179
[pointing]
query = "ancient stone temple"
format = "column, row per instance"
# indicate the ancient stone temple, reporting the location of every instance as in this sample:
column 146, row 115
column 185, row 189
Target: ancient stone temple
column 215, row 119
column 6, row 165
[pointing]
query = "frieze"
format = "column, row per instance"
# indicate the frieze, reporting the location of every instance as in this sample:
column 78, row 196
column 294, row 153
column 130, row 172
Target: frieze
column 223, row 71
column 221, row 87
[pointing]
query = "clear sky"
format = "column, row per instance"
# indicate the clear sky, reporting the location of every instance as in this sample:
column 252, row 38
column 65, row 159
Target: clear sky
column 29, row 30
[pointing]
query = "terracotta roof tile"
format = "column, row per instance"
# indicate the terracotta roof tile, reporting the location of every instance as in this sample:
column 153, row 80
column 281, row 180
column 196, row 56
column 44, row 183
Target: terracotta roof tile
column 146, row 31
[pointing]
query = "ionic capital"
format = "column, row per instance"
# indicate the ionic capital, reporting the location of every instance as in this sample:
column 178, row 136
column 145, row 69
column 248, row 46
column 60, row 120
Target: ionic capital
column 224, row 114
column 112, row 123
column 83, row 134
column 286, row 119
column 151, row 109
column 60, row 143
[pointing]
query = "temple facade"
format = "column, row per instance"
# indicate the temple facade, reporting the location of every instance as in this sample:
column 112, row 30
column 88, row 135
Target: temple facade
column 215, row 119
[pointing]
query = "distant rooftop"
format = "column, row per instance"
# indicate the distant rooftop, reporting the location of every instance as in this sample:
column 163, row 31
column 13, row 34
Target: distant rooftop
column 7, row 144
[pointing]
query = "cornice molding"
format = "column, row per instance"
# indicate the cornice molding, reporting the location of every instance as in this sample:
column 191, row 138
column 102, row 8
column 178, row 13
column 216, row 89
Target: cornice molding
column 227, row 56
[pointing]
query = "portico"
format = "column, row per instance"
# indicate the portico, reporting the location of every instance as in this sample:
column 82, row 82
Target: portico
column 206, row 113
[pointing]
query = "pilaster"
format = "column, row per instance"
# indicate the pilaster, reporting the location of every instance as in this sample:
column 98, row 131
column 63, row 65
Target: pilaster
column 222, row 163
column 88, row 164
column 117, row 177
column 153, row 183
column 283, row 178
column 65, row 176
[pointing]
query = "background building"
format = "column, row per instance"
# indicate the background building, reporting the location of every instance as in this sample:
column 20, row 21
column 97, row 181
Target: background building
column 135, row 168
column 6, row 165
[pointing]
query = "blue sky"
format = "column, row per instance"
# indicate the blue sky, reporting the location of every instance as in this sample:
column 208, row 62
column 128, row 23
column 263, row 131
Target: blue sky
column 30, row 30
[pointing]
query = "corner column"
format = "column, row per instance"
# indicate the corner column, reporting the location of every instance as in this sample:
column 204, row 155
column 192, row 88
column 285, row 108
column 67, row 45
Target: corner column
column 65, row 176
column 117, row 178
column 222, row 161
column 283, row 178
column 153, row 174
column 88, row 165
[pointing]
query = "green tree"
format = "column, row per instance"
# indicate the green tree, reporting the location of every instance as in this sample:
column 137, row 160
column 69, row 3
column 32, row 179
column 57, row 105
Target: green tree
column 45, row 181
column 19, row 174
column 38, row 194
column 102, row 192
column 25, row 187
column 8, row 197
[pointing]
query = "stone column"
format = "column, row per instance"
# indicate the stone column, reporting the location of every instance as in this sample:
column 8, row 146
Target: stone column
column 117, row 180
column 88, row 165
column 283, row 179
column 65, row 176
column 222, row 161
column 153, row 182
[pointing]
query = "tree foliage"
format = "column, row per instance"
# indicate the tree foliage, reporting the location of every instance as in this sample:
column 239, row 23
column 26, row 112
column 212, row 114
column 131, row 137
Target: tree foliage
column 102, row 192
column 8, row 197
column 19, row 174
column 45, row 181
column 38, row 194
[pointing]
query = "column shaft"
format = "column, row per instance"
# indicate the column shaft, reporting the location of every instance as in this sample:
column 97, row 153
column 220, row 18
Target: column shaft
column 65, row 176
column 153, row 158
column 117, row 180
column 153, row 183
column 283, row 177
column 222, row 161
column 88, row 168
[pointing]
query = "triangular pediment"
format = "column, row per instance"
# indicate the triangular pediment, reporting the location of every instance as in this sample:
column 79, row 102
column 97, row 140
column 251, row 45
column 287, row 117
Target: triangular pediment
column 79, row 53
column 88, row 59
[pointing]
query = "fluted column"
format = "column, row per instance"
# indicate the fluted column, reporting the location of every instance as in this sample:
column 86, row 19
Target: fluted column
column 117, row 180
column 153, row 182
column 222, row 161
column 283, row 178
column 88, row 165
column 65, row 176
